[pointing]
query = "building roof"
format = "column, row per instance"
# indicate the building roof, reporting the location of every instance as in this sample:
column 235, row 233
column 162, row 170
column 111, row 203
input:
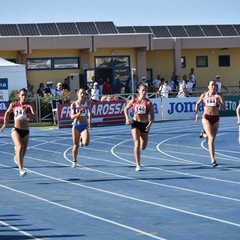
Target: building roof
column 101, row 28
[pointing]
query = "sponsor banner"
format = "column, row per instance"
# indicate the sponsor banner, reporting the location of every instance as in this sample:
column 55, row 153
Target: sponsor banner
column 173, row 108
column 3, row 107
column 3, row 97
column 231, row 103
column 157, row 108
column 164, row 108
column 102, row 113
column 3, row 84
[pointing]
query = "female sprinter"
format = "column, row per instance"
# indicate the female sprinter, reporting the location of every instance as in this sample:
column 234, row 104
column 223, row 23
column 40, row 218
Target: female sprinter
column 142, row 107
column 20, row 132
column 210, row 120
column 81, row 115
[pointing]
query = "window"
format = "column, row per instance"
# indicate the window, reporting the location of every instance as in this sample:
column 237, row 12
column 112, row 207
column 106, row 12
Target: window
column 117, row 61
column 52, row 63
column 183, row 62
column 34, row 64
column 224, row 61
column 65, row 63
column 103, row 62
column 121, row 74
column 120, row 61
column 202, row 61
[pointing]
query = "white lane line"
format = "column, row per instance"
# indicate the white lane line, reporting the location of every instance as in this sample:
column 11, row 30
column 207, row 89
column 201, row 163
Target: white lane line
column 19, row 230
column 77, row 210
column 119, row 195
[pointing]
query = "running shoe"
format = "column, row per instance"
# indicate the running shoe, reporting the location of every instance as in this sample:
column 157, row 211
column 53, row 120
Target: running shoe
column 22, row 172
column 74, row 164
column 202, row 133
column 137, row 168
column 214, row 164
column 81, row 143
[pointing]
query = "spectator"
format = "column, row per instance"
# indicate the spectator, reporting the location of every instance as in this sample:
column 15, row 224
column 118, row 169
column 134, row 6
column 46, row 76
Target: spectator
column 100, row 86
column 164, row 89
column 176, row 83
column 59, row 90
column 144, row 80
column 219, row 85
column 132, row 85
column 190, row 86
column 52, row 90
column 47, row 90
column 40, row 91
column 183, row 91
column 107, row 88
column 156, row 83
column 94, row 92
column 66, row 84
column 118, row 86
column 192, row 74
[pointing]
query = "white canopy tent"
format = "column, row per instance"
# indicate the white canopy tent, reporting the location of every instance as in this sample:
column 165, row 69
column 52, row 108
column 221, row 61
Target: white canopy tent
column 15, row 73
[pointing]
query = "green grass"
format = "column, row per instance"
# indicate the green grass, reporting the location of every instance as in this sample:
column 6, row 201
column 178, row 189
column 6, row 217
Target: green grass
column 46, row 127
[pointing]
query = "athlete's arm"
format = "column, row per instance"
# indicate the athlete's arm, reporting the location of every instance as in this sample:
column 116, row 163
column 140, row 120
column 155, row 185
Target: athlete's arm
column 129, row 105
column 197, row 106
column 151, row 112
column 6, row 116
column 222, row 103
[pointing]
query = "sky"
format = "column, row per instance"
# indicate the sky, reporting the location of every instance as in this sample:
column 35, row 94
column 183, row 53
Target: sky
column 122, row 12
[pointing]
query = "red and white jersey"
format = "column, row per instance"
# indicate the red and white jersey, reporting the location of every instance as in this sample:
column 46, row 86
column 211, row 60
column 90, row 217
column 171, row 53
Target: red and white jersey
column 20, row 111
column 213, row 101
column 141, row 108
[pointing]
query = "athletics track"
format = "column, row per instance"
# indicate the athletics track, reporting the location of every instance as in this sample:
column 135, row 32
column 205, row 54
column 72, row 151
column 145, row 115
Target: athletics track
column 176, row 195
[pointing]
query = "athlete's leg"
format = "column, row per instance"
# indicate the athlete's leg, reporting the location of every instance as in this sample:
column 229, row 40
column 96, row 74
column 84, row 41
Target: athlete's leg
column 144, row 140
column 85, row 137
column 211, row 132
column 17, row 141
column 136, row 138
column 75, row 137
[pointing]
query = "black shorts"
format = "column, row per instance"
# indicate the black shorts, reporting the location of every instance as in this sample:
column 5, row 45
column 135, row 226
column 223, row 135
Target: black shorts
column 22, row 133
column 140, row 126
